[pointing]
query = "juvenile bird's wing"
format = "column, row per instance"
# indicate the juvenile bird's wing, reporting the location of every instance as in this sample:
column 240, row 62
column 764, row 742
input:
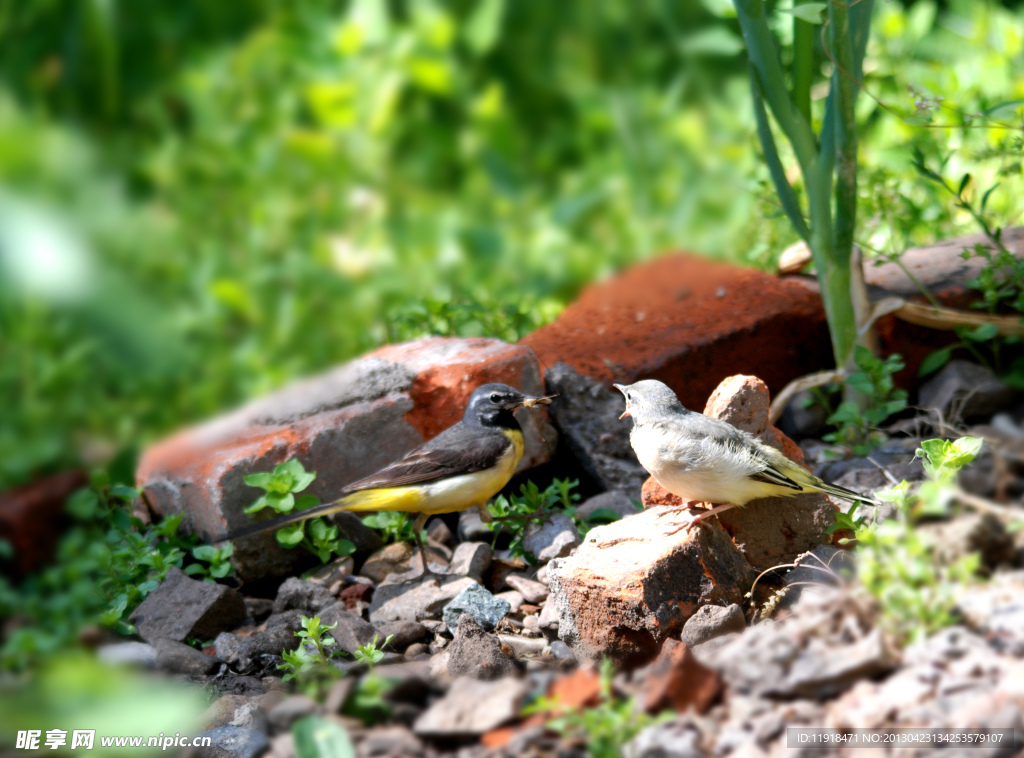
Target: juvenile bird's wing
column 742, row 453
column 460, row 449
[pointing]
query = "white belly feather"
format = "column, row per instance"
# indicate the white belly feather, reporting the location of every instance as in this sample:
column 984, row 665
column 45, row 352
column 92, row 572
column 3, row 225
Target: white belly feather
column 692, row 469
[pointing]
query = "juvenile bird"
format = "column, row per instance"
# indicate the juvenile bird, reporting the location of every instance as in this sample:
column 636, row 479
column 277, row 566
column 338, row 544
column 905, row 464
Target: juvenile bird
column 462, row 467
column 706, row 459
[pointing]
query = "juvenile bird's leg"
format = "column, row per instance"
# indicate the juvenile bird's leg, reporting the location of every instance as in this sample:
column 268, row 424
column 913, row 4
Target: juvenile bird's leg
column 690, row 523
column 417, row 527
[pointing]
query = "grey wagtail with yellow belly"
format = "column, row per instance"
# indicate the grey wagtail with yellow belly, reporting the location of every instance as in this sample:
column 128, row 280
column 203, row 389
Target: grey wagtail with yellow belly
column 706, row 459
column 462, row 467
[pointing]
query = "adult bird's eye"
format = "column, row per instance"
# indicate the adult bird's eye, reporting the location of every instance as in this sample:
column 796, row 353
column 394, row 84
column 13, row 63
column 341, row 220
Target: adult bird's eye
column 495, row 398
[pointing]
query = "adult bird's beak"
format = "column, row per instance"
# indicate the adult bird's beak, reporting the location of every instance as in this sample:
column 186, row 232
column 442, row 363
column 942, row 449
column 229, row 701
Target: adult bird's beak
column 532, row 402
column 622, row 389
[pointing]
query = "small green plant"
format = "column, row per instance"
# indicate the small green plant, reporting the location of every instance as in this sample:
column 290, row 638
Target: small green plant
column 280, row 488
column 858, row 427
column 106, row 564
column 309, row 665
column 896, row 562
column 370, row 653
column 605, row 728
column 532, row 505
column 368, row 703
column 218, row 560
column 393, row 526
column 1000, row 281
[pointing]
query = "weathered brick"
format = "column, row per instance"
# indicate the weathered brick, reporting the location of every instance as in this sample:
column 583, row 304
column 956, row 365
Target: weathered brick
column 344, row 424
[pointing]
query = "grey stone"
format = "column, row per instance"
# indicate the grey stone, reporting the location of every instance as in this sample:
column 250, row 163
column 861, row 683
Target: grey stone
column 712, row 621
column 182, row 607
column 405, row 633
column 251, row 715
column 128, row 654
column 258, row 608
column 803, row 417
column 561, row 651
column 477, row 654
column 351, row 630
column 514, row 599
column 548, row 620
column 523, row 646
column 822, row 649
column 996, row 611
column 674, row 739
column 222, row 710
column 972, row 532
column 532, row 592
column 302, row 595
column 470, row 559
column 891, row 454
column 555, row 537
column 234, row 742
column 390, row 559
column 248, row 654
column 438, row 531
column 471, row 526
column 478, row 603
column 178, row 658
column 390, row 741
column 616, row 501
column 472, row 707
column 587, row 416
column 965, row 391
column 290, row 710
column 825, row 569
column 415, row 598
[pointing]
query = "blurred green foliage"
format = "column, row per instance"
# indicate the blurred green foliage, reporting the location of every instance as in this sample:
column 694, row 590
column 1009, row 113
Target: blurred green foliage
column 200, row 201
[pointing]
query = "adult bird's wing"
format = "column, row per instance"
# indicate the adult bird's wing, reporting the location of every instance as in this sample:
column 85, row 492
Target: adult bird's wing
column 460, row 449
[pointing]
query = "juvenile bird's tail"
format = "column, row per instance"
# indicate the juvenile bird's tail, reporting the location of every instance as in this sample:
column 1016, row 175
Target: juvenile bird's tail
column 841, row 492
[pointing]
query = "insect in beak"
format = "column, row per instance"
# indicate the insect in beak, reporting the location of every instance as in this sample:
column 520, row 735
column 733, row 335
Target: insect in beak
column 533, row 402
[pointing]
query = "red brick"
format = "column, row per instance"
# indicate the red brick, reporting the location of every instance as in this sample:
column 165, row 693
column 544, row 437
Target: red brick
column 688, row 322
column 31, row 517
column 344, row 424
column 633, row 584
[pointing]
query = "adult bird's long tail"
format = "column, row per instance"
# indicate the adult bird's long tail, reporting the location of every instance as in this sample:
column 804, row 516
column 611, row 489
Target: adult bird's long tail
column 378, row 499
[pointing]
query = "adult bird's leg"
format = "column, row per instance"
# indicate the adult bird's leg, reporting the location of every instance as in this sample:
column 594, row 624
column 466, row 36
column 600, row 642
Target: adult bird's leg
column 417, row 527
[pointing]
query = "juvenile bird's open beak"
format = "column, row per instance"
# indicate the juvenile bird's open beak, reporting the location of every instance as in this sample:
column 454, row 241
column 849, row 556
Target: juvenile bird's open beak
column 622, row 389
column 533, row 402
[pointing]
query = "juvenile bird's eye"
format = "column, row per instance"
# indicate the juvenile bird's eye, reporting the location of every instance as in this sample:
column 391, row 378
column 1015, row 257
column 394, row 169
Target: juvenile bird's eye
column 495, row 398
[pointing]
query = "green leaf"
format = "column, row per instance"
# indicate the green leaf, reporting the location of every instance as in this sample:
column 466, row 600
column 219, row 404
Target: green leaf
column 259, row 505
column 988, row 192
column 83, row 504
column 809, row 12
column 982, row 333
column 1004, row 110
column 934, row 361
column 483, row 27
column 290, row 536
column 281, row 503
column 344, row 547
column 964, row 181
column 316, row 737
column 305, row 502
column 262, row 480
column 205, row 553
column 124, row 492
